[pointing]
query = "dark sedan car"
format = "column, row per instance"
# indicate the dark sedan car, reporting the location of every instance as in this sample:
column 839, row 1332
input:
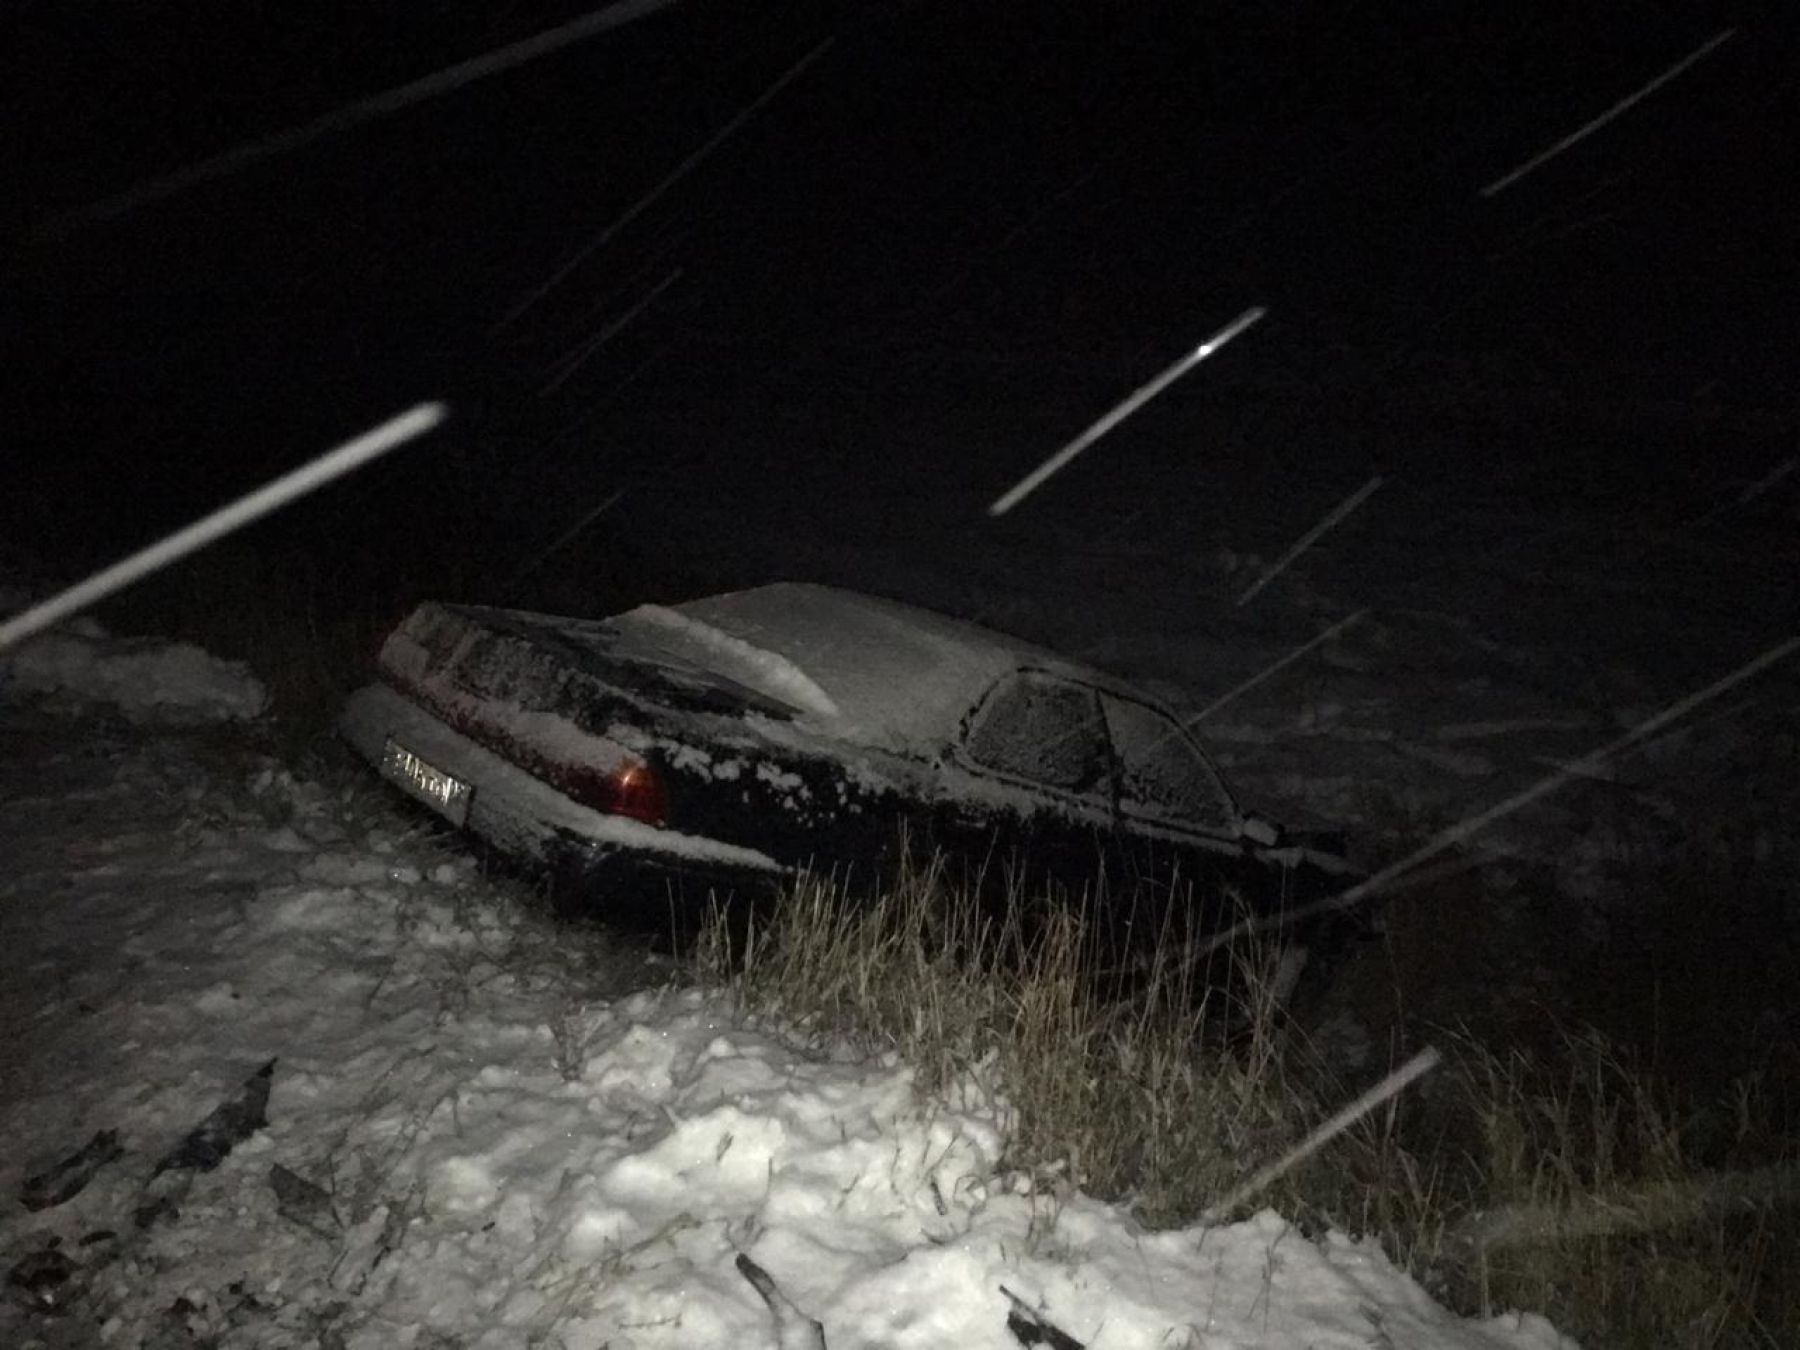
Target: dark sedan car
column 726, row 744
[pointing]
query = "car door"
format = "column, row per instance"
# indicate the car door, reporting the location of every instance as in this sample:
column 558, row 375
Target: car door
column 1179, row 828
column 1032, row 782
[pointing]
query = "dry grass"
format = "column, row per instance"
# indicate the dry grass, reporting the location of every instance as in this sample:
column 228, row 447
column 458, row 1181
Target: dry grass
column 1576, row 1185
column 1166, row 1096
column 1631, row 1164
column 1564, row 1182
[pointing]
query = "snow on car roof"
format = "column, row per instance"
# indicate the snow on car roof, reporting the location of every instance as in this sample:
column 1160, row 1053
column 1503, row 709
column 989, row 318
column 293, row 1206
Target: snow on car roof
column 766, row 671
column 859, row 666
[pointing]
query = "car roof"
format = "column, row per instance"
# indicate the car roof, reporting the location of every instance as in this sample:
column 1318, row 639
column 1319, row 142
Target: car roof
column 857, row 666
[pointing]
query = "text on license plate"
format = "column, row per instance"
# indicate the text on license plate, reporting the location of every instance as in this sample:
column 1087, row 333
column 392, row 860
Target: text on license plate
column 429, row 784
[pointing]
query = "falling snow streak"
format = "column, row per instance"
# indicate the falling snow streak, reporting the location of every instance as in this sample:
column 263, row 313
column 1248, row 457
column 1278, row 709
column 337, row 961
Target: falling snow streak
column 1685, row 532
column 650, row 198
column 1267, row 671
column 1276, row 667
column 1036, row 478
column 252, row 506
column 573, row 362
column 1462, row 831
column 355, row 114
column 1601, row 205
column 561, row 542
column 592, row 409
column 1396, row 1082
column 1581, row 133
column 1768, row 480
column 1311, row 537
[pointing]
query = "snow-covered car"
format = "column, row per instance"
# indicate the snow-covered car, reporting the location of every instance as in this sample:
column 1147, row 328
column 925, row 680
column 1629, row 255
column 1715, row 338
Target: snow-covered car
column 725, row 744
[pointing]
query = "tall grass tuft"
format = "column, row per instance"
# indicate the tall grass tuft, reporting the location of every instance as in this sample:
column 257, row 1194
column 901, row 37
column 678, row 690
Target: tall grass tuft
column 1576, row 1184
column 1565, row 1181
column 1164, row 1095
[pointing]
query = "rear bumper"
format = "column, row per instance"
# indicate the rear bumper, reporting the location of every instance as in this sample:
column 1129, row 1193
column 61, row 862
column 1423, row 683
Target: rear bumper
column 526, row 818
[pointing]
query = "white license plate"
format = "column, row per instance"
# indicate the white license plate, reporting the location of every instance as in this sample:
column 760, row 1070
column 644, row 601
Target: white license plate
column 430, row 784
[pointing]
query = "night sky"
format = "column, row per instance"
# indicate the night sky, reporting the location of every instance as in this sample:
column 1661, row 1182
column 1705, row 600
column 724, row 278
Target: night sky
column 962, row 233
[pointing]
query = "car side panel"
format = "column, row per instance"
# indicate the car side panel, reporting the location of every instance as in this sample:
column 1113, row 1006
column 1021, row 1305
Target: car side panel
column 548, row 696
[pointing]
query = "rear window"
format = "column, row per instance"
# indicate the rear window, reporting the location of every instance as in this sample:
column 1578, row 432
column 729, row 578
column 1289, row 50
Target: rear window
column 1162, row 774
column 1042, row 729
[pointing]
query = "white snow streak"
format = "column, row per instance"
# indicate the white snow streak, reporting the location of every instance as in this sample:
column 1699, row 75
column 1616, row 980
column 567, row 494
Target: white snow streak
column 1768, row 480
column 1395, row 1083
column 561, row 541
column 234, row 516
column 1311, row 537
column 568, row 365
column 651, row 197
column 1456, row 834
column 1275, row 667
column 1037, row 477
column 1582, row 132
column 355, row 114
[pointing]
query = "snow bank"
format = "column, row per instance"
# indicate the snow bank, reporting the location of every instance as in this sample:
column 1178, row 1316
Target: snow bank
column 687, row 1138
column 145, row 678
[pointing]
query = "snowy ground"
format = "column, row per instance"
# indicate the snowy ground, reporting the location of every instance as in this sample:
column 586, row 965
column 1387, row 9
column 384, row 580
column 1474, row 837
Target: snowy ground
column 358, row 1095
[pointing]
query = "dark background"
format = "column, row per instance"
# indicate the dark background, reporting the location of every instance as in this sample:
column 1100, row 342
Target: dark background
column 956, row 239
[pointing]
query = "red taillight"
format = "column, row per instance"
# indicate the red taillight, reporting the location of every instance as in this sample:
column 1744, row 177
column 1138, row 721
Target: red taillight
column 634, row 790
column 639, row 792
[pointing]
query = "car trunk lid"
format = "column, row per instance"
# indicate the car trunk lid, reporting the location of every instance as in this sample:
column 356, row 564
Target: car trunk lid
column 567, row 666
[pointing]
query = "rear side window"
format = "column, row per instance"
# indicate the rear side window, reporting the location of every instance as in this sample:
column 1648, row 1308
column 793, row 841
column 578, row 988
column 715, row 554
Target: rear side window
column 1162, row 774
column 1042, row 729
